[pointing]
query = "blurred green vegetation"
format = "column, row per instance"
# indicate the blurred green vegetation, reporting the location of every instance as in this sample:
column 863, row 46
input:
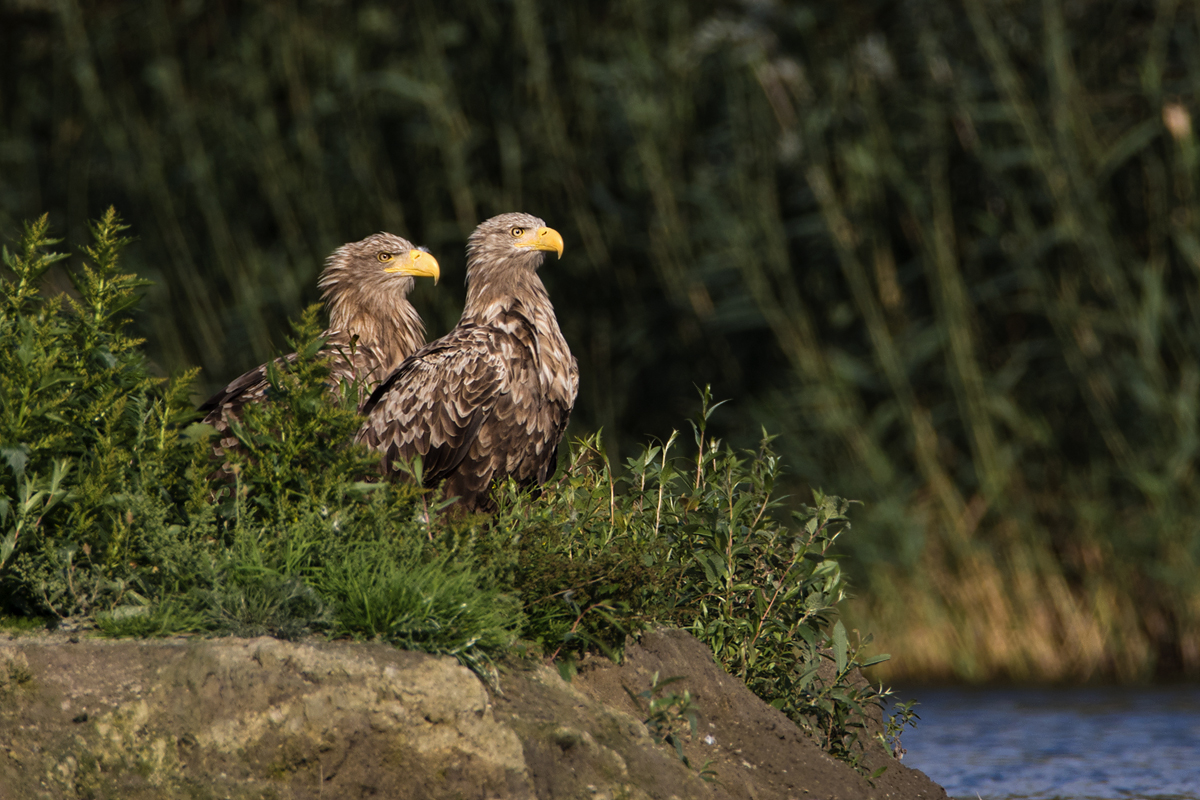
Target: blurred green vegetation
column 950, row 251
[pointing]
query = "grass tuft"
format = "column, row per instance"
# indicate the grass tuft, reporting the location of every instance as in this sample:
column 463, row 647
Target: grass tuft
column 435, row 607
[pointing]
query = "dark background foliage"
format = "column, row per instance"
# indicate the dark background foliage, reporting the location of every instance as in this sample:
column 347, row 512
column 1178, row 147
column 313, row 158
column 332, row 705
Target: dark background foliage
column 949, row 251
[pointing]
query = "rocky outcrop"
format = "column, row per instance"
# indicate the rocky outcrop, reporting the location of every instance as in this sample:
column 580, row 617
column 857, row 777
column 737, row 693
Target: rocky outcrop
column 263, row 718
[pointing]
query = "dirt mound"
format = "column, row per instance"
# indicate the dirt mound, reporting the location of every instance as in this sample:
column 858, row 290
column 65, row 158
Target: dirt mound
column 262, row 718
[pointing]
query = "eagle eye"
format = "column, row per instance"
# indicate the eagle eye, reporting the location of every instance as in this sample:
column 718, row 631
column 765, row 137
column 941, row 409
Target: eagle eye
column 384, row 256
column 517, row 232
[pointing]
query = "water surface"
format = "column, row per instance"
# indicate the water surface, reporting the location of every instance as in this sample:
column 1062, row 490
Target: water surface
column 1111, row 743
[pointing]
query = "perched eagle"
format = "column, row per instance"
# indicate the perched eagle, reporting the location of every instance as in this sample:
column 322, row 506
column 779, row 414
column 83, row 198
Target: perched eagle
column 490, row 399
column 372, row 326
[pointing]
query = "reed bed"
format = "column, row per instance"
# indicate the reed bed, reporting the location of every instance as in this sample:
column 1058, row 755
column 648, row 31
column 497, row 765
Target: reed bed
column 950, row 252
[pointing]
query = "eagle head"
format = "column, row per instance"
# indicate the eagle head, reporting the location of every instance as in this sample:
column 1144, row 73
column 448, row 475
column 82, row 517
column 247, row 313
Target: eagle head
column 382, row 261
column 515, row 236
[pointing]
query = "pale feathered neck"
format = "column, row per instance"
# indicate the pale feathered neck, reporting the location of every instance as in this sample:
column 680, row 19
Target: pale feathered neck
column 499, row 279
column 375, row 309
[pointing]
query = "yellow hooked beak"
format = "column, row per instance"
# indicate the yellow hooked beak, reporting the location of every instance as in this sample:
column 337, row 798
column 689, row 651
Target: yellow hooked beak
column 543, row 239
column 417, row 263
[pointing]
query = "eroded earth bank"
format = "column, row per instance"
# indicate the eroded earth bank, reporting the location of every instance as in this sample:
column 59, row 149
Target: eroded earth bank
column 263, row 718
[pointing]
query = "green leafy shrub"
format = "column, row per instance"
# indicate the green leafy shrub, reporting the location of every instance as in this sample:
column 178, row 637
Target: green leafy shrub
column 85, row 428
column 700, row 541
column 115, row 505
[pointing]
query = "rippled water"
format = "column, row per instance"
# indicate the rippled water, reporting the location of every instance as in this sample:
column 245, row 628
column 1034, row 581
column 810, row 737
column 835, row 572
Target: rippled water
column 1058, row 743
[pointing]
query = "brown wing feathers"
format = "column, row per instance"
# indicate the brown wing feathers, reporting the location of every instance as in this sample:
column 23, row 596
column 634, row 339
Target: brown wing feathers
column 492, row 398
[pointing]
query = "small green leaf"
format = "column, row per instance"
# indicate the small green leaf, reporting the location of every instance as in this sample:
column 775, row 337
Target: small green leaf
column 841, row 647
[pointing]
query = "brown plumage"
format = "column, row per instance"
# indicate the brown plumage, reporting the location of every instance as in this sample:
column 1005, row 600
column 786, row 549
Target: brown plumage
column 372, row 326
column 491, row 398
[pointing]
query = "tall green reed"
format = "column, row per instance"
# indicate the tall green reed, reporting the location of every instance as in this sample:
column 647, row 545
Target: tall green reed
column 950, row 252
